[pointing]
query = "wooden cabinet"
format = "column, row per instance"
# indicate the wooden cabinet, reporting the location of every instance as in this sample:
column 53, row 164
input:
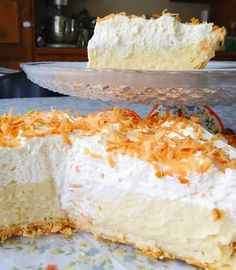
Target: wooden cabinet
column 225, row 56
column 17, row 37
column 223, row 12
column 61, row 54
column 16, row 32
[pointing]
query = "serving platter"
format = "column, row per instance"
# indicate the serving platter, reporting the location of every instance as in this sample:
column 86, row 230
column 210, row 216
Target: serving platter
column 215, row 85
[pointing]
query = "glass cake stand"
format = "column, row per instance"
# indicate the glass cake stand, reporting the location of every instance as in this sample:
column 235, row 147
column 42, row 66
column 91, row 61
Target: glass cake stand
column 215, row 85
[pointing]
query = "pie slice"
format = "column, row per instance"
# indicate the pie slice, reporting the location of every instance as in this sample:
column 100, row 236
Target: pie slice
column 163, row 42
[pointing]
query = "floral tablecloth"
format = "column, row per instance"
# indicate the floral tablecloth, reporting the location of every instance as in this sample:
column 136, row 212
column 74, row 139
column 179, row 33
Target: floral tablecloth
column 80, row 252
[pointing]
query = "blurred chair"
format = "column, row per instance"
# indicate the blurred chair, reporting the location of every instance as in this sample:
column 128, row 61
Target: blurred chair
column 16, row 85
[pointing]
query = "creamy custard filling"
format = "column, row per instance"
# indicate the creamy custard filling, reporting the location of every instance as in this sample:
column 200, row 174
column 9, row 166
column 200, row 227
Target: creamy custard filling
column 193, row 231
column 193, row 57
column 30, row 203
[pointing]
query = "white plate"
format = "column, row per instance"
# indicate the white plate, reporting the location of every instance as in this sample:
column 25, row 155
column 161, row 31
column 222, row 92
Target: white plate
column 215, row 85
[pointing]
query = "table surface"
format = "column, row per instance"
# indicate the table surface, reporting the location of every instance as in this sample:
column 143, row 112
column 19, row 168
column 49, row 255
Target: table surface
column 82, row 252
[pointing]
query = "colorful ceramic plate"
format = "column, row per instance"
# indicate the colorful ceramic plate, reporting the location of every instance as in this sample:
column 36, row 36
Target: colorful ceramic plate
column 209, row 119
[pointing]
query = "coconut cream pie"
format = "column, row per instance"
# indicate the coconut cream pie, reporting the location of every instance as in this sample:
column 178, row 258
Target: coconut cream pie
column 163, row 185
column 163, row 42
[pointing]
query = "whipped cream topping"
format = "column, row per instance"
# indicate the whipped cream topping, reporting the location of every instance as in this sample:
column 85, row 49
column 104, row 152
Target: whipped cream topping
column 123, row 32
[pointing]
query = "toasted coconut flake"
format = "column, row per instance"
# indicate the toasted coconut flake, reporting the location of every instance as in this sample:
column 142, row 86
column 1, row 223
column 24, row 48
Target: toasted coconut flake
column 183, row 180
column 87, row 152
column 64, row 129
column 111, row 161
column 77, row 168
column 194, row 21
column 216, row 214
column 75, row 186
column 159, row 174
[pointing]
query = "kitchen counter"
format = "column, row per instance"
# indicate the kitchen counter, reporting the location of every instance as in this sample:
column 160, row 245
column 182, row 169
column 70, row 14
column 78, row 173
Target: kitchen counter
column 22, row 105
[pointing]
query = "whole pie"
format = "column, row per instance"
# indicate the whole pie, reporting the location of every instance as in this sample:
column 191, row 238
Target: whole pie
column 164, row 185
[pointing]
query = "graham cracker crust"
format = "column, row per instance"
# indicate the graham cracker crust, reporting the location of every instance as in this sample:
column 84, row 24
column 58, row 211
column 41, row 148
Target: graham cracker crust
column 64, row 226
column 159, row 253
column 67, row 226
